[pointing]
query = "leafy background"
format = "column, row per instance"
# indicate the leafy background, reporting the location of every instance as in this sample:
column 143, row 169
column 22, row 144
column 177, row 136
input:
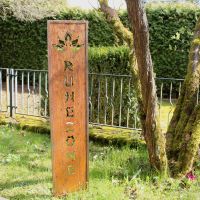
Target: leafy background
column 23, row 44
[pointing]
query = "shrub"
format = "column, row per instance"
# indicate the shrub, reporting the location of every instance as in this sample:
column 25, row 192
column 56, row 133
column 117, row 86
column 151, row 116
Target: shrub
column 113, row 60
column 23, row 44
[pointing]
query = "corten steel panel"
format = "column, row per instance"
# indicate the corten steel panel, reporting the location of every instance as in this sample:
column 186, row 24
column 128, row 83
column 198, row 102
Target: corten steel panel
column 67, row 54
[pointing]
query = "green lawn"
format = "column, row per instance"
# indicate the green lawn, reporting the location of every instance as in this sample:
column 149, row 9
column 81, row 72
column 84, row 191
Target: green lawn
column 166, row 112
column 115, row 173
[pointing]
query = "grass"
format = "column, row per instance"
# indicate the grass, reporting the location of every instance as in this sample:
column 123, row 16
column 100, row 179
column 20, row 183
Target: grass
column 166, row 112
column 115, row 173
column 42, row 125
column 99, row 134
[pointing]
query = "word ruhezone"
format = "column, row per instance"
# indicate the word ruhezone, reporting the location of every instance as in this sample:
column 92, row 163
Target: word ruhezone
column 70, row 131
column 68, row 43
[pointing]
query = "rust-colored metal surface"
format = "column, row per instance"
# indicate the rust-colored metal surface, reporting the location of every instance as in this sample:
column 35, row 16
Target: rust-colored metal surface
column 67, row 54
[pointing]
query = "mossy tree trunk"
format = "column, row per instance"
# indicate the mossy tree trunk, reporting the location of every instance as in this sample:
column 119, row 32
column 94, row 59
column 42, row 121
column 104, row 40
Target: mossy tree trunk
column 183, row 134
column 144, row 83
column 127, row 36
column 154, row 137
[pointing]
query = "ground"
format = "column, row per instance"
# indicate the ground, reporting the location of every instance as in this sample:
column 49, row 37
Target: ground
column 115, row 173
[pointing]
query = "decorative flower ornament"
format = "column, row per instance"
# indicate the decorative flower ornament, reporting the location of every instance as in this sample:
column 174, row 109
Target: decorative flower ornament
column 68, row 41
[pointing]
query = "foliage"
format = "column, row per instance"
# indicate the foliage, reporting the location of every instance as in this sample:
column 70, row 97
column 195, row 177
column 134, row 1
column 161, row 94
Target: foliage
column 113, row 60
column 100, row 32
column 177, row 26
column 30, row 10
column 171, row 28
column 115, row 173
column 23, row 43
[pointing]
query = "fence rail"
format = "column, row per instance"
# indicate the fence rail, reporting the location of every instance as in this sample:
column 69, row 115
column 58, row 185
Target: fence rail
column 112, row 99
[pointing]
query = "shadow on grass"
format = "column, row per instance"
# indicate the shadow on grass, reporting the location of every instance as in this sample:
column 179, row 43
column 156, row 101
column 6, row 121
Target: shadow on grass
column 23, row 183
column 30, row 196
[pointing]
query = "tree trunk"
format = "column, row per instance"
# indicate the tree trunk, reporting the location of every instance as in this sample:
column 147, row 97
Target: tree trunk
column 154, row 137
column 126, row 35
column 183, row 136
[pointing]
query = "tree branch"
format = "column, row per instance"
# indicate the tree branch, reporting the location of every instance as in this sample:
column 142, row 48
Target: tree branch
column 112, row 16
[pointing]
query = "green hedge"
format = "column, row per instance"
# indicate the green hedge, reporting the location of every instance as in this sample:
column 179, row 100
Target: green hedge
column 23, row 44
column 171, row 31
column 112, row 60
column 171, row 28
column 100, row 32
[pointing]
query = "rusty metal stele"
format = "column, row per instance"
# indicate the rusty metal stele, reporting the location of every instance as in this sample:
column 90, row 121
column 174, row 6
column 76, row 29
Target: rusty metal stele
column 67, row 57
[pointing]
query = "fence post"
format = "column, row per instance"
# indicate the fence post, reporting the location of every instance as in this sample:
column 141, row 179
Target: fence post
column 11, row 91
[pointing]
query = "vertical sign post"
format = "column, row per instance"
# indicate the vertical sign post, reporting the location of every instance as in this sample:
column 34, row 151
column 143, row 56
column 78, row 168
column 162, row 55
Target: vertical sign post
column 67, row 56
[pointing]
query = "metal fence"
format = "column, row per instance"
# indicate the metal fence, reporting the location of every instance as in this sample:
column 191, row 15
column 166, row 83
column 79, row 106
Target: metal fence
column 112, row 99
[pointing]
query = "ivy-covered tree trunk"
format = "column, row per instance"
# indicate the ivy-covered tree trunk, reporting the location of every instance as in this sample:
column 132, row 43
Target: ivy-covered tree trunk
column 183, row 135
column 154, row 137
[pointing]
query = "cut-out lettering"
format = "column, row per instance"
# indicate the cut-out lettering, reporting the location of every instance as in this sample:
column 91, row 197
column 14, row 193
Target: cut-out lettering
column 70, row 140
column 70, row 170
column 71, row 155
column 70, row 111
column 70, row 123
column 69, row 130
column 68, row 81
column 68, row 65
column 69, row 96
